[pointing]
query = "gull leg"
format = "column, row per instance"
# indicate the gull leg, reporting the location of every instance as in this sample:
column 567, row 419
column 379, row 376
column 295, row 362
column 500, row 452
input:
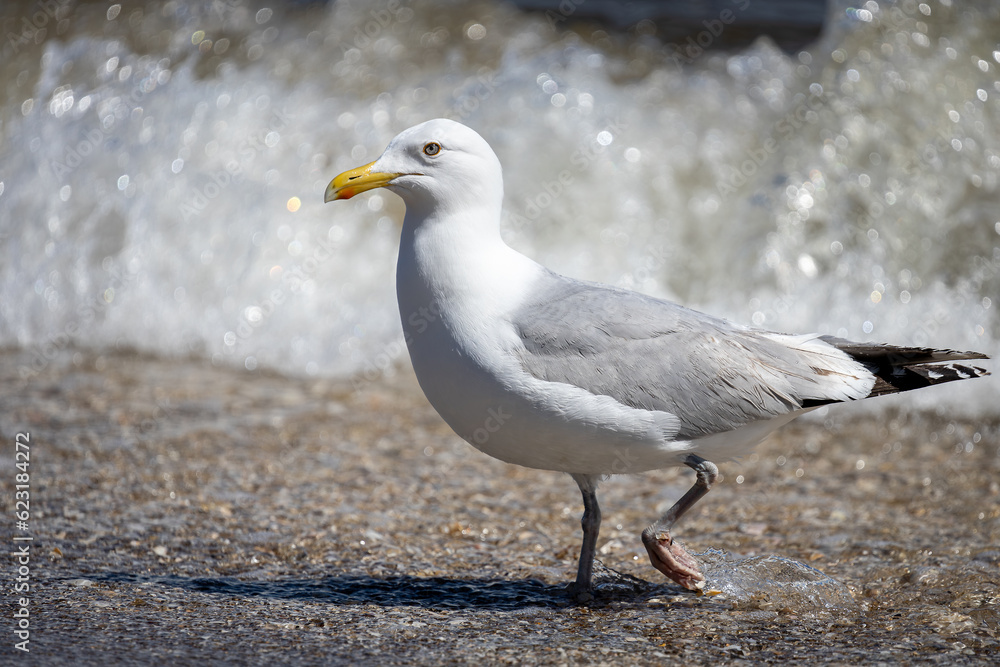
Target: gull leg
column 582, row 588
column 665, row 555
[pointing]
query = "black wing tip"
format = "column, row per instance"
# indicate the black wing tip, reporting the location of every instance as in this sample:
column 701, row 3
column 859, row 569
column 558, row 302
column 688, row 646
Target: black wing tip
column 916, row 376
column 900, row 354
column 946, row 372
column 959, row 355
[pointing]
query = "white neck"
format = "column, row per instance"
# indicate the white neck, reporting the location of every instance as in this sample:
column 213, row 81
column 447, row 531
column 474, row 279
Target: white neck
column 460, row 265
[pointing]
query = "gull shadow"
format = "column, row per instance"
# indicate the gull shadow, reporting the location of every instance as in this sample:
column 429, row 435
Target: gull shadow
column 394, row 591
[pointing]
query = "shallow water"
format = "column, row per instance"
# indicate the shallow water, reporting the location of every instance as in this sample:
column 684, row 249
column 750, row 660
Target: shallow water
column 769, row 582
column 185, row 512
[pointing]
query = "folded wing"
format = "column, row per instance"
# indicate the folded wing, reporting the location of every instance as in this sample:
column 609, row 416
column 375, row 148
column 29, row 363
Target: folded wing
column 713, row 375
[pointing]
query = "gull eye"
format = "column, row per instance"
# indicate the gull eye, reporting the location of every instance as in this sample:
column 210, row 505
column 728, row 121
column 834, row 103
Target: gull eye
column 432, row 149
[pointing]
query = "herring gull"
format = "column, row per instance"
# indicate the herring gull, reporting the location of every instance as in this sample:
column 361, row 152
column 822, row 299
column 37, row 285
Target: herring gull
column 549, row 372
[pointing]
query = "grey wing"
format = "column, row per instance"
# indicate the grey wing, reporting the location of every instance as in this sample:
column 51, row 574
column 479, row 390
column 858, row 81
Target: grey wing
column 655, row 355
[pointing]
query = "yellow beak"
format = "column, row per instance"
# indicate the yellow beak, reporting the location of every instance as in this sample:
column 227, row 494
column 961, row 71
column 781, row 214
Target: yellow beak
column 356, row 181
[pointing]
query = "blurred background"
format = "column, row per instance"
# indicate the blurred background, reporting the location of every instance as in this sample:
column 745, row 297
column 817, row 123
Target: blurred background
column 798, row 166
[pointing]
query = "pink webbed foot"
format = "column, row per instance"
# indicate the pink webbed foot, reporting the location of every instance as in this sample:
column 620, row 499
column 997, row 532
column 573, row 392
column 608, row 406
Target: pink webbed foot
column 672, row 560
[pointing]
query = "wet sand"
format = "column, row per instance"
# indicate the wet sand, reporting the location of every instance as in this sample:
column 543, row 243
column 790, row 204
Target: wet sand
column 184, row 513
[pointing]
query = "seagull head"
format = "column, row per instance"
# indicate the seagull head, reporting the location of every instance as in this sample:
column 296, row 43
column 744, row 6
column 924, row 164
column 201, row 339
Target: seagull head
column 435, row 166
